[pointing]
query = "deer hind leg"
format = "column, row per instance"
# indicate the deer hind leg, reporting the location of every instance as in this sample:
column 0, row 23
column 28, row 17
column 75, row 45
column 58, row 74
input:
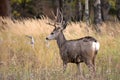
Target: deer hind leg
column 91, row 68
column 64, row 67
column 93, row 62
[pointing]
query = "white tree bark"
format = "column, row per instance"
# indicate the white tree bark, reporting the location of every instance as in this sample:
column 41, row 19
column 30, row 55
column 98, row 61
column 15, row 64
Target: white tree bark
column 87, row 11
column 97, row 12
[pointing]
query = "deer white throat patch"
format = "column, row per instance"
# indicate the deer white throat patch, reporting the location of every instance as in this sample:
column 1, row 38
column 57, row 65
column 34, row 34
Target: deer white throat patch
column 96, row 45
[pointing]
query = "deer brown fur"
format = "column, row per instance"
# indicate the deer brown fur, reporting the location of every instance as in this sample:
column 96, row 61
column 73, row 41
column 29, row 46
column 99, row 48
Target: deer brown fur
column 75, row 51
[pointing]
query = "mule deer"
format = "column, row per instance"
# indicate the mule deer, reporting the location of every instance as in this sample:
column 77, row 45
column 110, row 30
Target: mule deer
column 75, row 51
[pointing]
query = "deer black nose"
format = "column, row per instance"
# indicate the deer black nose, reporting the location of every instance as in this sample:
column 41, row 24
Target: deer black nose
column 46, row 38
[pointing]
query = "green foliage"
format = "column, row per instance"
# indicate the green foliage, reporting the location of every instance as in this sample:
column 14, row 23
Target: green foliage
column 20, row 1
column 22, row 8
column 31, row 8
column 112, row 3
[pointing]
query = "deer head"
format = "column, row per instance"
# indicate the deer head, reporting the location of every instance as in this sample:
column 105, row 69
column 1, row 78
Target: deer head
column 59, row 26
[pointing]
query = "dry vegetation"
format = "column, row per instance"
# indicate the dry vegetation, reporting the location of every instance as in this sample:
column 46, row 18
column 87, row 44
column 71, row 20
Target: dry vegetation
column 20, row 61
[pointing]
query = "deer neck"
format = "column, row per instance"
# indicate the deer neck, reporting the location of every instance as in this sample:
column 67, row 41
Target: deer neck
column 60, row 39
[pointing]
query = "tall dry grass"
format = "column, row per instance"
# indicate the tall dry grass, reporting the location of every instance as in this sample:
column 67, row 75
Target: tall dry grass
column 20, row 61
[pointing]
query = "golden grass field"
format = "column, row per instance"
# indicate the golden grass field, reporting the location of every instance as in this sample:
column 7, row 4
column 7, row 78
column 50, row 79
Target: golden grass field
column 20, row 61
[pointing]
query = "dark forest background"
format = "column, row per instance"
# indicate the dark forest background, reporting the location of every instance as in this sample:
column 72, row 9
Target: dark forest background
column 73, row 10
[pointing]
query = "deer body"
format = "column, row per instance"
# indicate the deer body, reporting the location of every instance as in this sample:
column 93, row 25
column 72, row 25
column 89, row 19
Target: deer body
column 74, row 51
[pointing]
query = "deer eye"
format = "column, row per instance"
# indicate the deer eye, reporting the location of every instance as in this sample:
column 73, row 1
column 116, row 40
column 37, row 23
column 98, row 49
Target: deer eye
column 52, row 33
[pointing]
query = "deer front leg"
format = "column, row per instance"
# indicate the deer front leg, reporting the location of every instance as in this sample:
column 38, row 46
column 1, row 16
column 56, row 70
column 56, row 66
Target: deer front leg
column 80, row 72
column 64, row 67
column 79, row 69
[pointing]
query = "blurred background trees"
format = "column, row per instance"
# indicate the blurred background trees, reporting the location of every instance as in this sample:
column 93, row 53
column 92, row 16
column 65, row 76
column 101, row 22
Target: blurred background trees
column 75, row 10
column 118, row 8
column 5, row 8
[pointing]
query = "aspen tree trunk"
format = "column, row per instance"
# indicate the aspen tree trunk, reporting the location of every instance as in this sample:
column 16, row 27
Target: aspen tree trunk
column 60, row 3
column 5, row 8
column 91, row 11
column 87, row 11
column 39, row 8
column 97, row 12
column 105, row 9
column 65, row 10
column 79, row 10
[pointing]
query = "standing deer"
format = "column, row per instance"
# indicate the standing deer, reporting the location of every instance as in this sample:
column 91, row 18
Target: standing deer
column 75, row 51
